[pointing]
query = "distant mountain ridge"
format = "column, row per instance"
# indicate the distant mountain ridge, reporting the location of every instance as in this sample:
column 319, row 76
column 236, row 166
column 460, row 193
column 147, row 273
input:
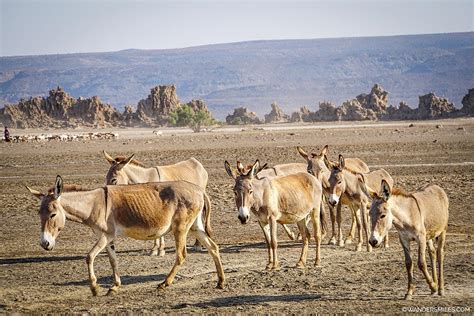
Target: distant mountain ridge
column 293, row 73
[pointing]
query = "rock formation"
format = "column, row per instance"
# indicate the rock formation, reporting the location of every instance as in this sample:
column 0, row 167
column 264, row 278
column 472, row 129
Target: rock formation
column 402, row 112
column 198, row 105
column 155, row 109
column 468, row 103
column 302, row 115
column 432, row 106
column 242, row 116
column 276, row 115
column 59, row 109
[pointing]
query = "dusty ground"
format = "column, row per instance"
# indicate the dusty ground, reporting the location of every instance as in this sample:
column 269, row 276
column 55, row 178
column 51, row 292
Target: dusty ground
column 33, row 280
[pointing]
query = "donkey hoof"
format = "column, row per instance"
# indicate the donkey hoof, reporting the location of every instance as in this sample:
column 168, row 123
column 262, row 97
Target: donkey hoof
column 161, row 253
column 340, row 243
column 408, row 297
column 154, row 253
column 162, row 286
column 369, row 249
column 441, row 292
column 220, row 285
column 332, row 241
column 348, row 241
column 95, row 290
column 358, row 248
column 300, row 265
column 111, row 292
column 276, row 267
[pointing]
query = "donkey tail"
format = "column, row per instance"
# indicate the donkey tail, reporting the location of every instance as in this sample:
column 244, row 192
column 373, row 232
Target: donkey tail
column 207, row 215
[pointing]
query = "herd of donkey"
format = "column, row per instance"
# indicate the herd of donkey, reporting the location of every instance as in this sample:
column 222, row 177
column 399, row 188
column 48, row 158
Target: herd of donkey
column 147, row 203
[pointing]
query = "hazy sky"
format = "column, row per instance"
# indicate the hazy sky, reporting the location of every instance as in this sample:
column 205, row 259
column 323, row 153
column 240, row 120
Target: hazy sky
column 30, row 27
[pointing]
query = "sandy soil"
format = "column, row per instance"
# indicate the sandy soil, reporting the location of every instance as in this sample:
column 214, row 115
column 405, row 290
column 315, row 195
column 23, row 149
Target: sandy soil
column 33, row 280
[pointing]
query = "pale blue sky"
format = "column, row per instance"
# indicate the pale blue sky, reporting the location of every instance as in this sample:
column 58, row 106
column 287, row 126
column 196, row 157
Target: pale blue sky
column 31, row 27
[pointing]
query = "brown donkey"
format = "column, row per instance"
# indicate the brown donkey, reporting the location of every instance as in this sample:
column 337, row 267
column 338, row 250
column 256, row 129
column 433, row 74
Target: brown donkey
column 317, row 167
column 271, row 172
column 355, row 190
column 140, row 211
column 125, row 170
column 285, row 200
column 421, row 216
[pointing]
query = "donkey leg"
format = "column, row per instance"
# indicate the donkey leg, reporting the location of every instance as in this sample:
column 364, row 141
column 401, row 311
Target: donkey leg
column 113, row 264
column 332, row 213
column 440, row 255
column 317, row 234
column 288, row 231
column 180, row 240
column 352, row 232
column 213, row 250
column 385, row 241
column 422, row 264
column 305, row 236
column 409, row 266
column 359, row 228
column 266, row 233
column 274, row 243
column 340, row 240
column 432, row 253
column 158, row 247
column 365, row 220
column 98, row 247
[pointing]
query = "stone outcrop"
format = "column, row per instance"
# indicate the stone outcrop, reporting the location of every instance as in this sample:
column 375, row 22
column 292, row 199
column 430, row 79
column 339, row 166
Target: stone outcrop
column 276, row 115
column 59, row 109
column 302, row 115
column 242, row 116
column 198, row 105
column 327, row 112
column 468, row 103
column 402, row 112
column 432, row 106
column 155, row 109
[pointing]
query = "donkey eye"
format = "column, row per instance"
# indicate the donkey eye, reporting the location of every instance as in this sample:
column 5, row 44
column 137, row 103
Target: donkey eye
column 382, row 216
column 52, row 215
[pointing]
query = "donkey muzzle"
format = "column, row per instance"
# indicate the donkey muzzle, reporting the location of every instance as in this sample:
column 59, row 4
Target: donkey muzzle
column 47, row 241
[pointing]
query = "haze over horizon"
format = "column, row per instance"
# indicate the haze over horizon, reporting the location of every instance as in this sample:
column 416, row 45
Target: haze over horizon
column 102, row 26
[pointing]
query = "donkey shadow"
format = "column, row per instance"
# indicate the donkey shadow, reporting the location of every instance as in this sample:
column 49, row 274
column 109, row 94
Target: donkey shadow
column 126, row 280
column 230, row 301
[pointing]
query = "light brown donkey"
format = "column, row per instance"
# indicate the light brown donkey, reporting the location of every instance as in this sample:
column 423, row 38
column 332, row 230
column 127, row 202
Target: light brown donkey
column 354, row 189
column 317, row 167
column 271, row 172
column 421, row 216
column 140, row 211
column 126, row 170
column 285, row 200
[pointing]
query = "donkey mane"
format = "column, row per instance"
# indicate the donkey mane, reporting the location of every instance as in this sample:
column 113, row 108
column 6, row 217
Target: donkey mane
column 71, row 188
column 401, row 192
column 135, row 162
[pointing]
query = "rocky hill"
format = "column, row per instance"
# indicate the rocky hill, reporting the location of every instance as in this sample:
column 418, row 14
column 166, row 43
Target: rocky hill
column 293, row 73
column 60, row 109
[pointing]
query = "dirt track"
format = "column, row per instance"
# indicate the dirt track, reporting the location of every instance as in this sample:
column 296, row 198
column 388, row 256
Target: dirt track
column 32, row 279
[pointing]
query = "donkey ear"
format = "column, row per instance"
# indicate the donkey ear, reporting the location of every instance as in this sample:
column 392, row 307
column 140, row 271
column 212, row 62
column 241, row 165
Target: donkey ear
column 36, row 193
column 58, row 187
column 362, row 184
column 108, row 157
column 328, row 163
column 240, row 167
column 302, row 152
column 253, row 172
column 342, row 162
column 324, row 151
column 265, row 166
column 385, row 191
column 126, row 162
column 229, row 170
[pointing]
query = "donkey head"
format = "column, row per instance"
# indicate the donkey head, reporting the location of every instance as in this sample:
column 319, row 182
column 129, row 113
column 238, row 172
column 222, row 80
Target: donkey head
column 52, row 214
column 316, row 165
column 116, row 174
column 243, row 189
column 336, row 181
column 380, row 215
